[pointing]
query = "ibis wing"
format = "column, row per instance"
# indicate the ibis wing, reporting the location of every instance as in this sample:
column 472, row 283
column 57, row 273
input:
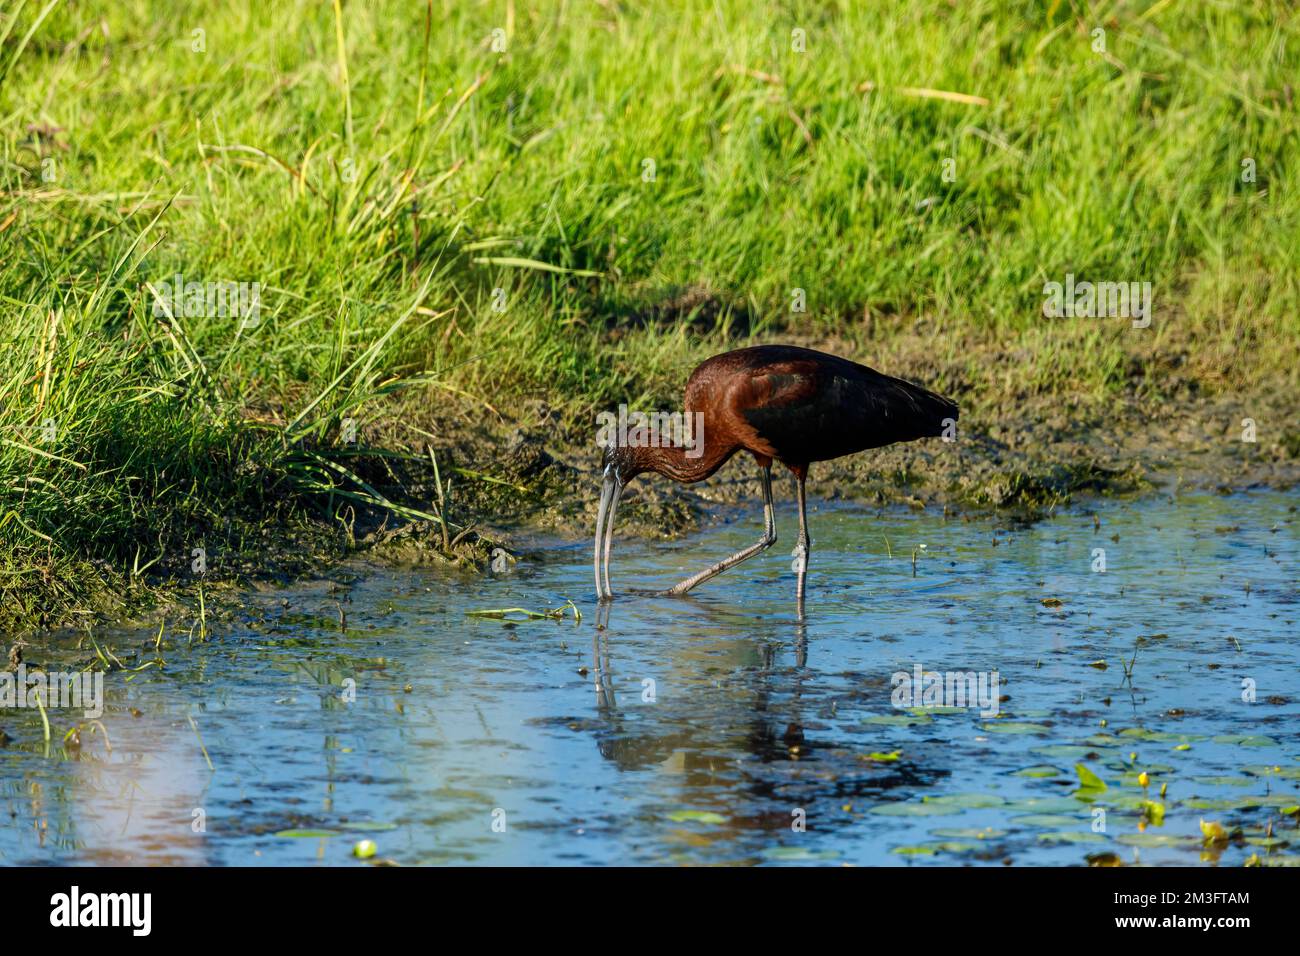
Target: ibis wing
column 811, row 412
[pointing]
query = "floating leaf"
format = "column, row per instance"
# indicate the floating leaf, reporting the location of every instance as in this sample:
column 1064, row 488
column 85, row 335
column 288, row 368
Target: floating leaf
column 696, row 816
column 307, row 834
column 1245, row 740
column 968, row 833
column 1131, row 802
column 885, row 758
column 1287, row 773
column 929, row 849
column 1267, row 841
column 1224, row 781
column 897, row 720
column 1072, row 836
column 919, row 850
column 915, row 809
column 1054, row 820
column 1154, row 840
column 1047, row 805
column 549, row 613
column 1064, row 751
column 794, row 853
column 1041, row 770
column 1130, row 778
column 1266, row 800
column 970, row 801
column 1206, row 803
column 1087, row 779
column 1160, row 736
column 1014, row 727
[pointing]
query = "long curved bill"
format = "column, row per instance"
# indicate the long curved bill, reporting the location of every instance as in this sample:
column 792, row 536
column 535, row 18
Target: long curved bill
column 611, row 490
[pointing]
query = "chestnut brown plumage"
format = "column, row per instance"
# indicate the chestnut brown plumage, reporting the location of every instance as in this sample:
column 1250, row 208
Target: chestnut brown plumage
column 779, row 403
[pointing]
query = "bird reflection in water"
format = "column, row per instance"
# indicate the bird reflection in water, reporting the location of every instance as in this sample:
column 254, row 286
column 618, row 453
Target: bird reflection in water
column 759, row 736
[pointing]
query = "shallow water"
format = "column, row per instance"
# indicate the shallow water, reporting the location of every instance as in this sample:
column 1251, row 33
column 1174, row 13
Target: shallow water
column 717, row 728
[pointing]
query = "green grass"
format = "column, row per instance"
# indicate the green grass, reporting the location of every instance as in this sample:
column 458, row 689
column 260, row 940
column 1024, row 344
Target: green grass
column 382, row 175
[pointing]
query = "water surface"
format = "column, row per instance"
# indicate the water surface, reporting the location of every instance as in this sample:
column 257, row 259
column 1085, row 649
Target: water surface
column 718, row 728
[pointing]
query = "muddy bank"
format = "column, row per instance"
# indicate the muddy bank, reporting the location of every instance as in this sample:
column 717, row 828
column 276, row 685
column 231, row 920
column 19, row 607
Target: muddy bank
column 1017, row 448
column 1020, row 449
column 1028, row 465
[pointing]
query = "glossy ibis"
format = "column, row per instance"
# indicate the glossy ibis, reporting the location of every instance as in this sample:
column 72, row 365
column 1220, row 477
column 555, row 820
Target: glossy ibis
column 779, row 403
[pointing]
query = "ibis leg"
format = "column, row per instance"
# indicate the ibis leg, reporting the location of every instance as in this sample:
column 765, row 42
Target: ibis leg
column 768, row 539
column 803, row 546
column 601, row 676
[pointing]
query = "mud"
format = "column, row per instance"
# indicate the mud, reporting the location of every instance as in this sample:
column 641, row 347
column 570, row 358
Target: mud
column 1016, row 450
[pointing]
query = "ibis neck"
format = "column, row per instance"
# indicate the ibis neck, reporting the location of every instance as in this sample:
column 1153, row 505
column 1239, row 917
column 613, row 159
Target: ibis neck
column 685, row 465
